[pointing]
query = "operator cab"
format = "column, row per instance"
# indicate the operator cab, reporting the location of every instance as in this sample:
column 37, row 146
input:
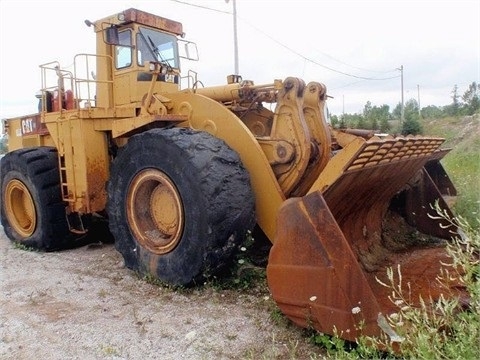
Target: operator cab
column 138, row 55
column 140, row 44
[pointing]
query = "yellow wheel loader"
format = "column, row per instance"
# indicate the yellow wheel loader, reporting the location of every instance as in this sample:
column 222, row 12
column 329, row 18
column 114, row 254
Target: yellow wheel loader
column 183, row 174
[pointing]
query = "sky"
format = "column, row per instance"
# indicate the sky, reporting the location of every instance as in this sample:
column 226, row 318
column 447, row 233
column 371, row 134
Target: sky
column 356, row 48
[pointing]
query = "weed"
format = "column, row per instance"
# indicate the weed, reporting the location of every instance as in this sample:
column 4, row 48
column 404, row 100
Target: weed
column 141, row 321
column 442, row 329
column 243, row 274
column 102, row 293
column 292, row 348
column 153, row 280
column 277, row 316
column 108, row 350
column 21, row 246
column 38, row 297
column 231, row 337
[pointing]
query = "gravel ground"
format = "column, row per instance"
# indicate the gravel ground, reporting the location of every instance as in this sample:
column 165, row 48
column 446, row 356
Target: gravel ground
column 84, row 304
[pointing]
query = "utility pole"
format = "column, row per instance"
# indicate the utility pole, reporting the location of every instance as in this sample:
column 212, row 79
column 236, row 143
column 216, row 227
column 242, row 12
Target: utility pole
column 235, row 37
column 402, row 116
column 418, row 96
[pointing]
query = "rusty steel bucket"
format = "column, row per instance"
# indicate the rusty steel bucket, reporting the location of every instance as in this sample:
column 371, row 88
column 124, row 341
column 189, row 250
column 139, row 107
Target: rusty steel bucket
column 369, row 210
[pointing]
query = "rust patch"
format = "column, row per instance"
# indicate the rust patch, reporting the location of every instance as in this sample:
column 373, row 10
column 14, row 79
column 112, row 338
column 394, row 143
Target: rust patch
column 96, row 179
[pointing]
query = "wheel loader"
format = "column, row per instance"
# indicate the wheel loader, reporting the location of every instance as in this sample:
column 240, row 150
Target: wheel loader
column 181, row 175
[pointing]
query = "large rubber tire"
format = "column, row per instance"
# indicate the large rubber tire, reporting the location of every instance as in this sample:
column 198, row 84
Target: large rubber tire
column 194, row 183
column 32, row 210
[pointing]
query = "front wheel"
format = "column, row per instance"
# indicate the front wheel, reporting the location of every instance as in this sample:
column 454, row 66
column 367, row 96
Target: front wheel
column 32, row 211
column 179, row 204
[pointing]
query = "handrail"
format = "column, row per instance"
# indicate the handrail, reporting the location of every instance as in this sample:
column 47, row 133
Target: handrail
column 89, row 78
column 81, row 83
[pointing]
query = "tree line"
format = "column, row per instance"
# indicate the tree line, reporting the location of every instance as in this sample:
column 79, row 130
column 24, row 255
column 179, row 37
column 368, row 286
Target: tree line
column 3, row 144
column 380, row 118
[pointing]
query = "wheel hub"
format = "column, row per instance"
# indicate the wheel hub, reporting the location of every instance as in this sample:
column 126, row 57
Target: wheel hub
column 155, row 211
column 20, row 208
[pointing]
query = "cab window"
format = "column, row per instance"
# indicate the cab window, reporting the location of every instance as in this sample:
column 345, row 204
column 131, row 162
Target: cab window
column 123, row 51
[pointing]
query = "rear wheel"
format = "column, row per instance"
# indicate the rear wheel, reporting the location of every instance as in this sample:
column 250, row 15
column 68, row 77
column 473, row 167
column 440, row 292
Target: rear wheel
column 179, row 204
column 32, row 210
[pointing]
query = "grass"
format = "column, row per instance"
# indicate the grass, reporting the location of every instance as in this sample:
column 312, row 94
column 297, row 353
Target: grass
column 462, row 163
column 21, row 246
column 109, row 351
column 244, row 274
column 464, row 169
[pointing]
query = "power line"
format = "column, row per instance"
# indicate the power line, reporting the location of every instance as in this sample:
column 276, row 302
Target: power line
column 355, row 67
column 294, row 51
column 313, row 61
column 346, row 85
column 202, row 7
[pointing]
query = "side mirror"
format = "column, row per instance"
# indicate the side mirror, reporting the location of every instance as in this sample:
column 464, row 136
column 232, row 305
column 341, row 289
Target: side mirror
column 111, row 35
column 188, row 51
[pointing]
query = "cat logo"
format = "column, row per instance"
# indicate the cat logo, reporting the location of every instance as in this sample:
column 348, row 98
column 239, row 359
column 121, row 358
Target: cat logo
column 28, row 126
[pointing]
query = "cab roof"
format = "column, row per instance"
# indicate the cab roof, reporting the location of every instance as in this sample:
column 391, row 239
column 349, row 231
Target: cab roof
column 140, row 17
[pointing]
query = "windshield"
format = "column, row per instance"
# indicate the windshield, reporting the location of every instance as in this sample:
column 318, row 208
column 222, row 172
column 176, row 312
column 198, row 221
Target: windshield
column 157, row 46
